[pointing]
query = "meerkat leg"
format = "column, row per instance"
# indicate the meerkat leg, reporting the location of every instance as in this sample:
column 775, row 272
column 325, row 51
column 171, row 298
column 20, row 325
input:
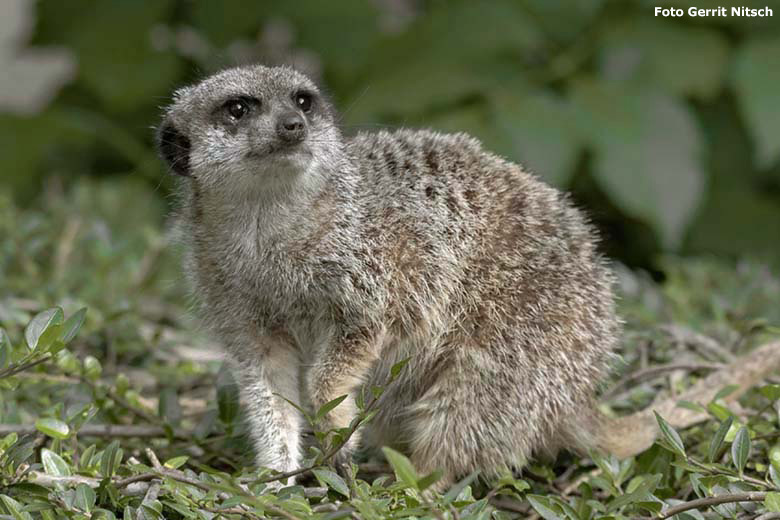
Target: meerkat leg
column 341, row 367
column 275, row 424
column 471, row 417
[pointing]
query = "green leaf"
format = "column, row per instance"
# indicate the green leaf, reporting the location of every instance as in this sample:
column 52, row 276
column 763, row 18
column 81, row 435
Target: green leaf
column 72, row 325
column 455, row 491
column 682, row 59
column 168, row 406
column 108, row 461
column 330, row 405
column 395, row 370
column 444, row 77
column 53, row 464
column 774, row 456
column 647, row 153
column 541, row 133
column 85, row 498
column 39, row 332
column 725, row 391
column 85, row 460
column 402, row 466
column 774, row 475
column 772, row 502
column 82, row 416
column 19, row 452
column 740, row 449
column 52, row 427
column 671, row 435
column 14, row 507
column 718, row 410
column 544, row 507
column 176, row 462
column 92, row 368
column 227, row 396
column 563, row 22
column 103, row 514
column 429, row 479
column 771, row 392
column 718, row 438
column 696, row 407
column 5, row 349
column 641, row 492
column 332, row 480
column 755, row 82
column 98, row 42
column 206, row 425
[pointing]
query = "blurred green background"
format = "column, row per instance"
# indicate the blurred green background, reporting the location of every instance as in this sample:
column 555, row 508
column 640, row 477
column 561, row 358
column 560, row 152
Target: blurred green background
column 667, row 130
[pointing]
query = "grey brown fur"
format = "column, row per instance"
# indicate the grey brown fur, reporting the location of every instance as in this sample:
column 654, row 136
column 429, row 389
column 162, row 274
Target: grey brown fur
column 322, row 262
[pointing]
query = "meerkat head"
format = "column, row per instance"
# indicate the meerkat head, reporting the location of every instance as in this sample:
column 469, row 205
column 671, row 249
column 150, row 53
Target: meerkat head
column 249, row 128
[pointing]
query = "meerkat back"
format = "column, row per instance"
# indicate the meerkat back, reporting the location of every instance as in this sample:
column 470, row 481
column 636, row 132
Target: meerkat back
column 503, row 305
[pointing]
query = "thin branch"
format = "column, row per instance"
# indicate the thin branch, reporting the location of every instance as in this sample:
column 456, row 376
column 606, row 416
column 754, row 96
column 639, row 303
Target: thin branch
column 101, row 430
column 753, row 496
column 15, row 369
column 704, row 344
column 746, row 478
column 329, row 455
column 654, row 371
column 139, row 412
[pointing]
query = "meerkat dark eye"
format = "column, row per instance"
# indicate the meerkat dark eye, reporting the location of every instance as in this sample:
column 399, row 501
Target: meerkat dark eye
column 237, row 108
column 303, row 100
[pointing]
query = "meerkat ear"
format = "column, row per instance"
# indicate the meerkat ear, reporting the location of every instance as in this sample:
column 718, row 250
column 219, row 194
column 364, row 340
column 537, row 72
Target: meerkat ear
column 174, row 148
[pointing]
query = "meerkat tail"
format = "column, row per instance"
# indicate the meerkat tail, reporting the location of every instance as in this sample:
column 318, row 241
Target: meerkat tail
column 632, row 434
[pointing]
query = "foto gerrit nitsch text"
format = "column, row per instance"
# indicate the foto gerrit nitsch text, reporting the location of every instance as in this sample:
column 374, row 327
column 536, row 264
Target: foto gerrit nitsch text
column 698, row 12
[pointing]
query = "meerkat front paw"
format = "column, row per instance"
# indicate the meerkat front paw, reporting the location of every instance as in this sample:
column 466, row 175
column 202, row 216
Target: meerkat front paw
column 340, row 439
column 342, row 459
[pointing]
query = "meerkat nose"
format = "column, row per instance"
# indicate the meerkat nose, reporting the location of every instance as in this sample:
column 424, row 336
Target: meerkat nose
column 291, row 128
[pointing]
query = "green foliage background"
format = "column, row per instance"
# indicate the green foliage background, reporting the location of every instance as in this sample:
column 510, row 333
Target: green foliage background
column 666, row 129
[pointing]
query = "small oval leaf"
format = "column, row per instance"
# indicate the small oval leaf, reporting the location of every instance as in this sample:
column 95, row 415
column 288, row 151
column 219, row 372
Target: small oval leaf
column 330, row 405
column 718, row 438
column 544, row 507
column 227, row 396
column 671, row 435
column 740, row 449
column 52, row 427
column 40, row 324
column 332, row 480
column 72, row 325
column 53, row 464
column 403, row 468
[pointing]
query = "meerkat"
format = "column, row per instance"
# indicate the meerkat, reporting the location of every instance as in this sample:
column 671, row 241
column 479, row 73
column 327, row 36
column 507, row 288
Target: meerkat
column 320, row 261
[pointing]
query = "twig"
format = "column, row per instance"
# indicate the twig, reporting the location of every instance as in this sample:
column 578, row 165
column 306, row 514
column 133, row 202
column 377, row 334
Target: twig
column 704, row 343
column 753, row 496
column 579, row 480
column 654, row 371
column 15, row 369
column 139, row 412
column 229, row 511
column 154, row 460
column 746, row 478
column 633, row 434
column 101, row 430
column 65, row 246
column 509, row 504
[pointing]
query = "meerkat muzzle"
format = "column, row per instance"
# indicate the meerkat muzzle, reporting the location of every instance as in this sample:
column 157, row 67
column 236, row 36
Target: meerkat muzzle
column 291, row 128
